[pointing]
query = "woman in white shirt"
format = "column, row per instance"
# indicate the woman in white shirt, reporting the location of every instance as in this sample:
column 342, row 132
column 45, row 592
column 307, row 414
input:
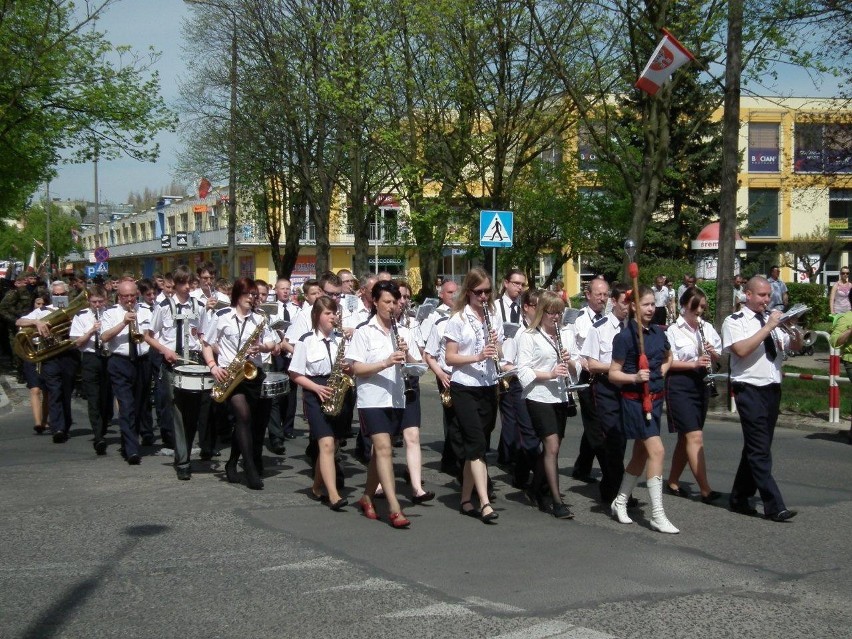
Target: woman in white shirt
column 314, row 357
column 474, row 351
column 378, row 352
column 687, row 391
column 229, row 330
column 546, row 369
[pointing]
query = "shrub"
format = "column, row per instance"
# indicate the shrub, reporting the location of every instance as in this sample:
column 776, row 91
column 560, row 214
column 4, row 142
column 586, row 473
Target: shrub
column 812, row 295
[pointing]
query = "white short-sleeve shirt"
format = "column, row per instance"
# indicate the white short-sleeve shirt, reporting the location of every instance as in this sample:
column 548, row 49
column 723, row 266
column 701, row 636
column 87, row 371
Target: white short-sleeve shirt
column 756, row 368
column 470, row 334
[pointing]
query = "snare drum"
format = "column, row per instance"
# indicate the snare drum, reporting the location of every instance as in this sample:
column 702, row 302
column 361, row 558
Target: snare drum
column 193, row 378
column 275, row 385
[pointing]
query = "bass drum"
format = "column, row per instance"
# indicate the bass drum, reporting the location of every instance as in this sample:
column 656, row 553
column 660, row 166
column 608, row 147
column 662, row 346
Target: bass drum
column 275, row 385
column 193, row 378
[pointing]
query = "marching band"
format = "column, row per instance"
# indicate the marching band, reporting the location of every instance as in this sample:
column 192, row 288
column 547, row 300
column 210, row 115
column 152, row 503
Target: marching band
column 223, row 361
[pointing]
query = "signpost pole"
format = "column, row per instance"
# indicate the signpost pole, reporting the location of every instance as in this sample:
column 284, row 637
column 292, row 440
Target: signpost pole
column 494, row 268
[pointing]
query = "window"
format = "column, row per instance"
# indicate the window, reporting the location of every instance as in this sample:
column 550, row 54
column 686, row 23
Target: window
column 553, row 153
column 840, row 210
column 763, row 147
column 823, row 148
column 763, row 212
column 587, row 159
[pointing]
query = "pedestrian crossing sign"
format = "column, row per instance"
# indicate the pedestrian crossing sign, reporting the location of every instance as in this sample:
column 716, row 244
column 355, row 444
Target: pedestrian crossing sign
column 496, row 229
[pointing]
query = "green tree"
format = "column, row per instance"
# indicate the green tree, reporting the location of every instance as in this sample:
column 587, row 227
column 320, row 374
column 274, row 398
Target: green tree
column 66, row 90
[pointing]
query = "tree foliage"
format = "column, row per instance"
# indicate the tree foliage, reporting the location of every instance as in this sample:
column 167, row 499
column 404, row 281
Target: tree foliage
column 66, row 91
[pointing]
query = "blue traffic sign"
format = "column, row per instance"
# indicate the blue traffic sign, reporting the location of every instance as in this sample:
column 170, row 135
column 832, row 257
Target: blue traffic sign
column 90, row 271
column 102, row 268
column 496, row 229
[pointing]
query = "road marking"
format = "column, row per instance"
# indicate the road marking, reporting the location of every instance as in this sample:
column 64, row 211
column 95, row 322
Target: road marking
column 434, row 610
column 374, row 584
column 492, row 605
column 555, row 630
column 319, row 563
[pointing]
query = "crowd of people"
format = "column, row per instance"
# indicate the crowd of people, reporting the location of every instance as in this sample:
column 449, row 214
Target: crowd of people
column 225, row 361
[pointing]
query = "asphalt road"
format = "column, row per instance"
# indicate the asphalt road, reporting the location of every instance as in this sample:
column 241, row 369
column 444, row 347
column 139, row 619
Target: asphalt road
column 92, row 547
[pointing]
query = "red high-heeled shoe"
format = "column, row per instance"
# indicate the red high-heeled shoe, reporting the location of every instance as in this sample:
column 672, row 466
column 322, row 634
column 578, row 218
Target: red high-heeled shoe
column 399, row 520
column 368, row 509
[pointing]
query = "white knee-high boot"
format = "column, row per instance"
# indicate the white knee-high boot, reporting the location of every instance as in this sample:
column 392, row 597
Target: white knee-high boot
column 618, row 508
column 659, row 521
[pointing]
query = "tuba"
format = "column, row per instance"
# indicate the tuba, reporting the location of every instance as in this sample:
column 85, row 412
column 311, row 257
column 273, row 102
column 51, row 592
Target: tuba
column 239, row 369
column 32, row 347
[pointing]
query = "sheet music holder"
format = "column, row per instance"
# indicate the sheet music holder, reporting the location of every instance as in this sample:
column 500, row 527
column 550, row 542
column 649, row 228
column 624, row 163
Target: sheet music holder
column 795, row 311
column 570, row 315
column 424, row 311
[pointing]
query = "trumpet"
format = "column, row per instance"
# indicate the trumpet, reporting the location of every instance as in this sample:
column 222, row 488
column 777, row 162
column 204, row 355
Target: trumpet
column 133, row 333
column 504, row 383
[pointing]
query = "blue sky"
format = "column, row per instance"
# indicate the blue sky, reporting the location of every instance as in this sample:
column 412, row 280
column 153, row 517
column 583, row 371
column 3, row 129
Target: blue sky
column 158, row 23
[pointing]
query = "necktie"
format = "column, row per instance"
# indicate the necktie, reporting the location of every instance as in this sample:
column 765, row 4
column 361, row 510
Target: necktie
column 768, row 342
column 179, row 324
column 132, row 350
column 285, row 314
column 515, row 313
column 328, row 348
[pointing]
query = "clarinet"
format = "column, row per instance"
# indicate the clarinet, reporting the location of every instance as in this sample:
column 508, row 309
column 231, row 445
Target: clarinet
column 503, row 382
column 708, row 381
column 569, row 381
column 410, row 394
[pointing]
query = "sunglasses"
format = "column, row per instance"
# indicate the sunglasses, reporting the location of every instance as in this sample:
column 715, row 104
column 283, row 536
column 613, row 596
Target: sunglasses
column 481, row 291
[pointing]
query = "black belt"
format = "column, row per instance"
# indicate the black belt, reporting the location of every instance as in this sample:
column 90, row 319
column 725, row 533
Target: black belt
column 127, row 357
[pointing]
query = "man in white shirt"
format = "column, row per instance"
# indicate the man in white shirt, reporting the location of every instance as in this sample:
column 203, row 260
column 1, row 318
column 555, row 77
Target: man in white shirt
column 508, row 309
column 756, row 345
column 779, row 299
column 662, row 299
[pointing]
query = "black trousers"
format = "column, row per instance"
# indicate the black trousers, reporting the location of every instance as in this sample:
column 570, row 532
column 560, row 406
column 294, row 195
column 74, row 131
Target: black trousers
column 758, row 407
column 282, row 414
column 131, row 385
column 59, row 373
column 592, row 441
column 96, row 386
column 607, row 399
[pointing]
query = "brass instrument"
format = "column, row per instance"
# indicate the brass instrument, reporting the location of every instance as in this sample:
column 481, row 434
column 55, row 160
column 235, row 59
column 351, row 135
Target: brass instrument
column 708, row 381
column 410, row 394
column 502, row 381
column 339, row 382
column 32, row 347
column 446, row 398
column 133, row 333
column 239, row 369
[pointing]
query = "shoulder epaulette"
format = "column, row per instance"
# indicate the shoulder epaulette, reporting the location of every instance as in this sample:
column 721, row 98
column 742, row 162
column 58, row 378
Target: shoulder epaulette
column 222, row 311
column 306, row 336
column 83, row 312
column 737, row 315
column 164, row 303
column 600, row 322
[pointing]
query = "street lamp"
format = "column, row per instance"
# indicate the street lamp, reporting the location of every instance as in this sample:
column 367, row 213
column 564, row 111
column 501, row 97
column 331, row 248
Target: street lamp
column 232, row 137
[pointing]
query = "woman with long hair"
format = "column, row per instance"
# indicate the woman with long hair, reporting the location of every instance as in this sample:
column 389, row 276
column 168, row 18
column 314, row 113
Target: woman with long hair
column 696, row 346
column 546, row 370
column 314, row 358
column 229, row 331
column 644, row 429
column 378, row 352
column 473, row 350
column 838, row 299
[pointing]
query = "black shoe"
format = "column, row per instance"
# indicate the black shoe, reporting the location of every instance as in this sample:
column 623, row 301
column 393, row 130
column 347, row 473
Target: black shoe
column 60, row 438
column 148, row 441
column 710, row 497
column 207, row 455
column 742, row 508
column 586, row 479
column 677, row 492
column 420, row 499
column 100, row 448
column 398, row 441
column 340, row 504
column 183, row 473
column 487, row 518
column 277, row 449
column 290, row 435
column 782, row 515
column 134, row 460
column 473, row 512
column 561, row 511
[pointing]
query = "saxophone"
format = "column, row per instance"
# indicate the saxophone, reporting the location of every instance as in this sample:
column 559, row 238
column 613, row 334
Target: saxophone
column 339, row 382
column 239, row 369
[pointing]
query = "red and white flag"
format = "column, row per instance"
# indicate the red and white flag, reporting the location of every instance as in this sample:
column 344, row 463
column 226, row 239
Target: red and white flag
column 668, row 57
column 204, row 188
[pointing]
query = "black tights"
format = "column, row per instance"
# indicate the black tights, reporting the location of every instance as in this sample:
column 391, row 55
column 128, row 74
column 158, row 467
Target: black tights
column 249, row 429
